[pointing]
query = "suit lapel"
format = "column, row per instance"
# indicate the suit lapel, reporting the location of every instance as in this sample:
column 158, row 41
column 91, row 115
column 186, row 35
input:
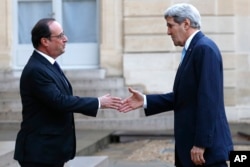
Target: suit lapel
column 61, row 79
column 56, row 75
column 186, row 59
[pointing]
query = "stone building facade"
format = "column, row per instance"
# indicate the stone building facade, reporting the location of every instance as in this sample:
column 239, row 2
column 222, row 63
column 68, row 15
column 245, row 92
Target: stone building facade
column 134, row 44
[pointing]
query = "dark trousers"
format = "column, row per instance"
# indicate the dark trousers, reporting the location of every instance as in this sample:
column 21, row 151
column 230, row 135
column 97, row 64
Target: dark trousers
column 220, row 164
column 33, row 164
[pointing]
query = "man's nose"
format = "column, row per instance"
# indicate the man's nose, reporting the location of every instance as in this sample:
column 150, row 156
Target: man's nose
column 65, row 38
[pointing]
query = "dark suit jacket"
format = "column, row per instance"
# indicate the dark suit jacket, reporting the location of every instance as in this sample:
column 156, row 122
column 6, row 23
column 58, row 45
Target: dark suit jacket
column 47, row 133
column 198, row 103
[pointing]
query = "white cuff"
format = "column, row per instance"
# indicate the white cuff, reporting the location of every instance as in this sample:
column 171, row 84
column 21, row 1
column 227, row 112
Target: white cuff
column 144, row 101
column 99, row 103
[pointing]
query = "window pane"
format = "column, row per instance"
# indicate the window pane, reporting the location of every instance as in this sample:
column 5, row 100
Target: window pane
column 79, row 20
column 29, row 12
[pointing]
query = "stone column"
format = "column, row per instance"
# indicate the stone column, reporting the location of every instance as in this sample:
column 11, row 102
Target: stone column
column 5, row 34
column 111, row 36
column 242, row 18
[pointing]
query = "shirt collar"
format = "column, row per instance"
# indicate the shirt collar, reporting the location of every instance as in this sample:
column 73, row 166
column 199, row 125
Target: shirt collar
column 50, row 59
column 190, row 39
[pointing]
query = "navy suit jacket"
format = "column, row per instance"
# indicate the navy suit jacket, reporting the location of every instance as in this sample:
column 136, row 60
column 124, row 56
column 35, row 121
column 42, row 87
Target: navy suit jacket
column 198, row 103
column 47, row 133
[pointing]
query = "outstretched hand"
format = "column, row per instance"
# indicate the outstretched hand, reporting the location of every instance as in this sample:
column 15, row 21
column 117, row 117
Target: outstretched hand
column 108, row 101
column 133, row 102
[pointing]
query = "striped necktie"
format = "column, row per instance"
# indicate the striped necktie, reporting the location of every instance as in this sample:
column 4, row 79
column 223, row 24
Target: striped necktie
column 183, row 53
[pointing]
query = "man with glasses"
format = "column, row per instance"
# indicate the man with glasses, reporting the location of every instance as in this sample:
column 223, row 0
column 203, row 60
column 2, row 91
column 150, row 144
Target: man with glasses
column 47, row 135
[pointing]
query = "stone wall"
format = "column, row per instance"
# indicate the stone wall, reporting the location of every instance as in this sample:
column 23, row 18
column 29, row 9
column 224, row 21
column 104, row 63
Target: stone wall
column 134, row 44
column 150, row 59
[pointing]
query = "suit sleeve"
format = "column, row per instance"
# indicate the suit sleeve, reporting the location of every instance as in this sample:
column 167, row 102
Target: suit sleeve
column 158, row 103
column 47, row 91
column 210, row 103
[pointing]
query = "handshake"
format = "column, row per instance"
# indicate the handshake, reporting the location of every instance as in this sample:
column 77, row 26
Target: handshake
column 123, row 105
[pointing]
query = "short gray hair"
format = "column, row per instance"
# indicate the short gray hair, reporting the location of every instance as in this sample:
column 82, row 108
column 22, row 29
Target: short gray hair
column 183, row 11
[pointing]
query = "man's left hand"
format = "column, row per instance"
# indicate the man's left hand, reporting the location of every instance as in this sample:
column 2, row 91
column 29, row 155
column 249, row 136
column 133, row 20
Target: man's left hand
column 197, row 155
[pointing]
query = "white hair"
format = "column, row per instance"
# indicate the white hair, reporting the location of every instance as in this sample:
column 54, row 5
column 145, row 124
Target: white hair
column 182, row 11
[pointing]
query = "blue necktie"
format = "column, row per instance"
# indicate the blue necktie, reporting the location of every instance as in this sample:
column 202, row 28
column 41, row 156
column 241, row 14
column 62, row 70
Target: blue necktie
column 183, row 53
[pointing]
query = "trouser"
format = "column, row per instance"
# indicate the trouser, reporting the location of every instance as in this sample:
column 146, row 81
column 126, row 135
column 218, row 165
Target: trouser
column 33, row 164
column 220, row 164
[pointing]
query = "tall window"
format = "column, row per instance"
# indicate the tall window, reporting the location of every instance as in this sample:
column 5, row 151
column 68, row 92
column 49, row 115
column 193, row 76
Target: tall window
column 80, row 25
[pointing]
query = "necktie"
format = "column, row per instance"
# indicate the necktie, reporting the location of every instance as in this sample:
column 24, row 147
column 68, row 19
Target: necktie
column 56, row 65
column 183, row 53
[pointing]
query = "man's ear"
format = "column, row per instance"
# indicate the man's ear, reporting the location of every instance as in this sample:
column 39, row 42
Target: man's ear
column 44, row 41
column 187, row 23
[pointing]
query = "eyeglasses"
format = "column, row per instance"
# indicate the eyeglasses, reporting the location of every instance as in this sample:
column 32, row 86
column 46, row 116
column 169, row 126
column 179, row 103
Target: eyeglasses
column 60, row 36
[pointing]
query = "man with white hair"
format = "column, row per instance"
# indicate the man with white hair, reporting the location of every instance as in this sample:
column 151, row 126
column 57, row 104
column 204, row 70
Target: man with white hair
column 202, row 134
